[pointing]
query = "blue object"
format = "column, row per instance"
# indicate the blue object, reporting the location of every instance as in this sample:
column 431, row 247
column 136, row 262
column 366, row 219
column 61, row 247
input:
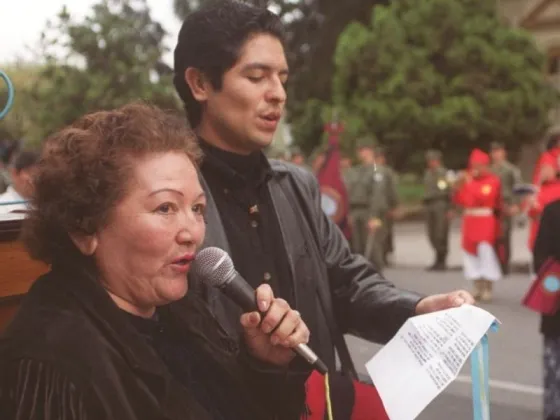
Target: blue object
column 551, row 283
column 11, row 203
column 479, row 376
column 11, row 94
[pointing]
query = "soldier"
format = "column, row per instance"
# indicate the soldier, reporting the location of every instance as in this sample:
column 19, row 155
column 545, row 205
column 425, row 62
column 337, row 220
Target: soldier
column 317, row 158
column 297, row 157
column 509, row 176
column 359, row 182
column 387, row 199
column 437, row 201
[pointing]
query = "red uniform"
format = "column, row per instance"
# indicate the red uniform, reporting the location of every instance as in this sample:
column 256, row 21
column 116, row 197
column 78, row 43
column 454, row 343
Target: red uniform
column 481, row 199
column 550, row 157
column 548, row 192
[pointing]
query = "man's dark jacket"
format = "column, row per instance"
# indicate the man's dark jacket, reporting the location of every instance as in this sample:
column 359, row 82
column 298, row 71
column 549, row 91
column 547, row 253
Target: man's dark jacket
column 365, row 304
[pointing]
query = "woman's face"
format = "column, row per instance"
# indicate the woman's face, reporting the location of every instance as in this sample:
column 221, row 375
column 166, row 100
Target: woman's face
column 146, row 249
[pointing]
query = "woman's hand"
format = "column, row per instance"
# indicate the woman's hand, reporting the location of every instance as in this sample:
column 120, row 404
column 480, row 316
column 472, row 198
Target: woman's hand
column 281, row 329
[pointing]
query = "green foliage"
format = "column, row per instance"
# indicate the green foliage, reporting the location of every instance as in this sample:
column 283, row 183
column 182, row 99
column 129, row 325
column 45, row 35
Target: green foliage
column 18, row 124
column 111, row 58
column 441, row 74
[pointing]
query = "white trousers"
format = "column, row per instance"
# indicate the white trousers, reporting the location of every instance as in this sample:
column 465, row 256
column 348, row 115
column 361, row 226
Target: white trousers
column 482, row 266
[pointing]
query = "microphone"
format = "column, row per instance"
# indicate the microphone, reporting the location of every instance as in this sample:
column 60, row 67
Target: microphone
column 215, row 267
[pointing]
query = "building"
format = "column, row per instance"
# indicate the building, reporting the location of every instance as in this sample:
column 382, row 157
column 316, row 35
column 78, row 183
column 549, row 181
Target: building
column 542, row 19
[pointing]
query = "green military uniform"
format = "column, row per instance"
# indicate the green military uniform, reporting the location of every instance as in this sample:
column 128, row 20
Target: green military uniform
column 389, row 195
column 437, row 201
column 378, row 210
column 509, row 176
column 359, row 181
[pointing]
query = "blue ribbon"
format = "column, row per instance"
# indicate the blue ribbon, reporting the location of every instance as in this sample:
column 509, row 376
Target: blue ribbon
column 11, row 94
column 11, row 203
column 479, row 376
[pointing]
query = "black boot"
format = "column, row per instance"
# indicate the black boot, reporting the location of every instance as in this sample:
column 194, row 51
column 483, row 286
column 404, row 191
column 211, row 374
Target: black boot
column 440, row 262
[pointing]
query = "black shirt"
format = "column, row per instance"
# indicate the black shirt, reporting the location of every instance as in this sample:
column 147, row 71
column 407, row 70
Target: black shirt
column 239, row 186
column 191, row 366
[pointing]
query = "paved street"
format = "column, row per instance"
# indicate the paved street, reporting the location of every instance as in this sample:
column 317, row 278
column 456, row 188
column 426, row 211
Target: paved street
column 515, row 350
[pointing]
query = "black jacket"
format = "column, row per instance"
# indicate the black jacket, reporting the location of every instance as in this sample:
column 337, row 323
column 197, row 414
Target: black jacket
column 365, row 304
column 547, row 245
column 71, row 354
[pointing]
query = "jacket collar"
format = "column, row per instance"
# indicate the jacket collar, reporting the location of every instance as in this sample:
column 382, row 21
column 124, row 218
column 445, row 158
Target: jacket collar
column 234, row 170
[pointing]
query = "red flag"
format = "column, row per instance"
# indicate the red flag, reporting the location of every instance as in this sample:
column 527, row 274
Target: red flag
column 544, row 295
column 334, row 198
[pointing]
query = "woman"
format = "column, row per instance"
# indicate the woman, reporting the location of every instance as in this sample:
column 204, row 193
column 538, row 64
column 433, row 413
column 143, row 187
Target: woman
column 110, row 332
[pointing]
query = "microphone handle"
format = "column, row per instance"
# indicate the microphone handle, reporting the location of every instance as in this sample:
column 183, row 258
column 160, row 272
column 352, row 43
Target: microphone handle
column 244, row 295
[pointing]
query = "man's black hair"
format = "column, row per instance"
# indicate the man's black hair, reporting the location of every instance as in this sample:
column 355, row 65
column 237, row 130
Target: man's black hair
column 211, row 40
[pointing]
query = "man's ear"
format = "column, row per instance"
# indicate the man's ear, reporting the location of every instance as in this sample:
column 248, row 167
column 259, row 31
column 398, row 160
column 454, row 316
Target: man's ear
column 87, row 244
column 198, row 83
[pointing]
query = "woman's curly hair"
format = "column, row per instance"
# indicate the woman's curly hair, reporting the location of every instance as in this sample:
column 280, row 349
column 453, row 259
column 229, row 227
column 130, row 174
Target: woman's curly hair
column 85, row 168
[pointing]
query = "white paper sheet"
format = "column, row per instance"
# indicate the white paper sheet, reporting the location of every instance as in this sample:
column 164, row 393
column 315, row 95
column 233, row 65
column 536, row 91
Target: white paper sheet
column 424, row 357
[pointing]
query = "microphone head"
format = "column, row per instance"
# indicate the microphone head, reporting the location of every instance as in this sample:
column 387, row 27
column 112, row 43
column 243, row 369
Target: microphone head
column 213, row 266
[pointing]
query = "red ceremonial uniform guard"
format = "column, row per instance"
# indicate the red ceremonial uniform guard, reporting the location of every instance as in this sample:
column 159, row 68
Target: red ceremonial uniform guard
column 478, row 192
column 551, row 157
column 548, row 192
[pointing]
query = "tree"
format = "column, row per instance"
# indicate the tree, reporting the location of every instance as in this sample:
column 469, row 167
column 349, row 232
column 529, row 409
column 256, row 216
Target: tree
column 441, row 74
column 313, row 27
column 112, row 57
column 17, row 124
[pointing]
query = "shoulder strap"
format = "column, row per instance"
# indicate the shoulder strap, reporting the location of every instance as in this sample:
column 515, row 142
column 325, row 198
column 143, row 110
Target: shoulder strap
column 340, row 345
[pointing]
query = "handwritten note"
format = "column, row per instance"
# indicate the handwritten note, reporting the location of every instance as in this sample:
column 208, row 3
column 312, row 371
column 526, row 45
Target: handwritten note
column 424, row 357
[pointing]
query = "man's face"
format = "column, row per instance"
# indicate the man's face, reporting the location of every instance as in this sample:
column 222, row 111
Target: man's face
column 479, row 169
column 366, row 155
column 22, row 181
column 498, row 155
column 298, row 159
column 433, row 163
column 243, row 115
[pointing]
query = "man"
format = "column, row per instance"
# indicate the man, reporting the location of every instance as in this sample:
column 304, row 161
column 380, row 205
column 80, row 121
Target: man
column 478, row 191
column 437, row 202
column 317, row 158
column 21, row 189
column 387, row 200
column 359, row 183
column 296, row 156
column 509, row 177
column 550, row 157
column 230, row 71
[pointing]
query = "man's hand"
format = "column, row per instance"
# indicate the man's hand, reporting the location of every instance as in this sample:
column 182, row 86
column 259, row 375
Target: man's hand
column 374, row 224
column 443, row 301
column 281, row 329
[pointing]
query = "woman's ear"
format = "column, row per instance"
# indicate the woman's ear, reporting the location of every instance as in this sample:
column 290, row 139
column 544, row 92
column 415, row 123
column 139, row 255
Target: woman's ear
column 198, row 84
column 87, row 244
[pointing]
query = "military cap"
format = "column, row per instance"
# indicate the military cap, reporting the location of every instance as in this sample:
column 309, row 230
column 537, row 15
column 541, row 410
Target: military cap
column 496, row 145
column 366, row 141
column 433, row 154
